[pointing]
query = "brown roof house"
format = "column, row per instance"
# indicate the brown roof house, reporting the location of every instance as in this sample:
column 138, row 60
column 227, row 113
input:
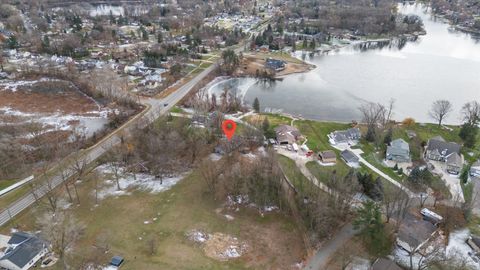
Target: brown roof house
column 414, row 233
column 328, row 156
column 287, row 134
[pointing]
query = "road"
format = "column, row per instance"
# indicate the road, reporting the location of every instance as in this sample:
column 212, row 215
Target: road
column 322, row 257
column 157, row 107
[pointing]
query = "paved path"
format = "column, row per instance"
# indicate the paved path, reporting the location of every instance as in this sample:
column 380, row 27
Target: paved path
column 157, row 107
column 324, row 254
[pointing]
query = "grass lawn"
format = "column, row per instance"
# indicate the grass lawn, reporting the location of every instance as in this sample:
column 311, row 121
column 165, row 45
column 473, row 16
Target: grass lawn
column 274, row 241
column 296, row 177
column 6, row 183
column 176, row 109
column 323, row 173
column 316, row 132
column 275, row 120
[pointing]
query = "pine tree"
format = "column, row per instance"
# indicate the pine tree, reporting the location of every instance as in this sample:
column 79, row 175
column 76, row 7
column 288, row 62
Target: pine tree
column 256, row 105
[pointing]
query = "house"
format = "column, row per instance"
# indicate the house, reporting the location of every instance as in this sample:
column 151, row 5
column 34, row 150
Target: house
column 274, row 64
column 328, row 156
column 475, row 169
column 454, row 164
column 349, row 136
column 438, row 149
column 474, row 243
column 384, row 264
column 23, row 251
column 350, row 158
column 287, row 134
column 398, row 151
column 414, row 233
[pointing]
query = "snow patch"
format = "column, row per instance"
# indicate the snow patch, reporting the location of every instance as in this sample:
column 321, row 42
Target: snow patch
column 141, row 181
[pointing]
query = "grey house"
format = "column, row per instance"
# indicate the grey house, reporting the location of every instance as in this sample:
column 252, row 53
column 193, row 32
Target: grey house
column 438, row 149
column 274, row 64
column 475, row 169
column 454, row 163
column 398, row 151
column 23, row 251
column 345, row 136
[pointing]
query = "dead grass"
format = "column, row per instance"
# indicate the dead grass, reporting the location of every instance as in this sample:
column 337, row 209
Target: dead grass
column 274, row 241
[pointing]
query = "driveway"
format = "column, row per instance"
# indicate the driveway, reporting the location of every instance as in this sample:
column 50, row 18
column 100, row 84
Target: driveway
column 325, row 253
column 452, row 181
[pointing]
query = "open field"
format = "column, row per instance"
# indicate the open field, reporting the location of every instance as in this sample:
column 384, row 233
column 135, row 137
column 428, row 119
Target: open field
column 130, row 222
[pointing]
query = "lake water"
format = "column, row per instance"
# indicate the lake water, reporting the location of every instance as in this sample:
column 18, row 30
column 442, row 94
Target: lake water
column 444, row 64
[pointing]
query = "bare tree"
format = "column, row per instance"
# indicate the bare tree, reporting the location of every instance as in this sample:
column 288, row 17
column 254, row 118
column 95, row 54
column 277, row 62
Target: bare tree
column 374, row 115
column 61, row 231
column 210, row 172
column 471, row 113
column 78, row 166
column 440, row 110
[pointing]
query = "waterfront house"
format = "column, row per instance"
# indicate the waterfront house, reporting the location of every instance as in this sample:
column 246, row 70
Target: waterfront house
column 350, row 158
column 23, row 251
column 287, row 134
column 274, row 64
column 454, row 163
column 398, row 151
column 349, row 136
column 475, row 169
column 439, row 150
column 414, row 233
column 328, row 156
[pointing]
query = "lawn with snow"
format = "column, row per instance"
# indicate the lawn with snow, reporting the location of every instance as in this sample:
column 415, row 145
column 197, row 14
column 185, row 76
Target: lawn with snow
column 129, row 181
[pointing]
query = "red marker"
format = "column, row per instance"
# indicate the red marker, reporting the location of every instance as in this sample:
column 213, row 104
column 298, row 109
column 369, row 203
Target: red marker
column 229, row 127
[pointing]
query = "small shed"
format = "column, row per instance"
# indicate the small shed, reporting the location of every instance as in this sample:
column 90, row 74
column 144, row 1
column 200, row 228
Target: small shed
column 328, row 156
column 116, row 261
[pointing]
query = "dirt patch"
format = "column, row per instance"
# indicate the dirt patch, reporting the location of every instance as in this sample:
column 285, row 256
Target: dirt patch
column 46, row 97
column 250, row 65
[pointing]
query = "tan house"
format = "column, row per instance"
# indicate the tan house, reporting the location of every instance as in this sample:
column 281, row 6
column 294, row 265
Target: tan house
column 287, row 134
column 328, row 156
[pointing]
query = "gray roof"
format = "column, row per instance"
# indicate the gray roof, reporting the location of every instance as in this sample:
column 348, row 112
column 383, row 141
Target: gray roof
column 25, row 250
column 444, row 148
column 345, row 135
column 385, row 264
column 349, row 156
column 455, row 159
column 415, row 231
column 399, row 147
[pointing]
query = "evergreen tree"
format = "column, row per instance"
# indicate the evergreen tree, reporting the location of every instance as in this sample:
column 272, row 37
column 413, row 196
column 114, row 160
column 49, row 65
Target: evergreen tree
column 388, row 137
column 265, row 124
column 468, row 133
column 159, row 37
column 256, row 105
